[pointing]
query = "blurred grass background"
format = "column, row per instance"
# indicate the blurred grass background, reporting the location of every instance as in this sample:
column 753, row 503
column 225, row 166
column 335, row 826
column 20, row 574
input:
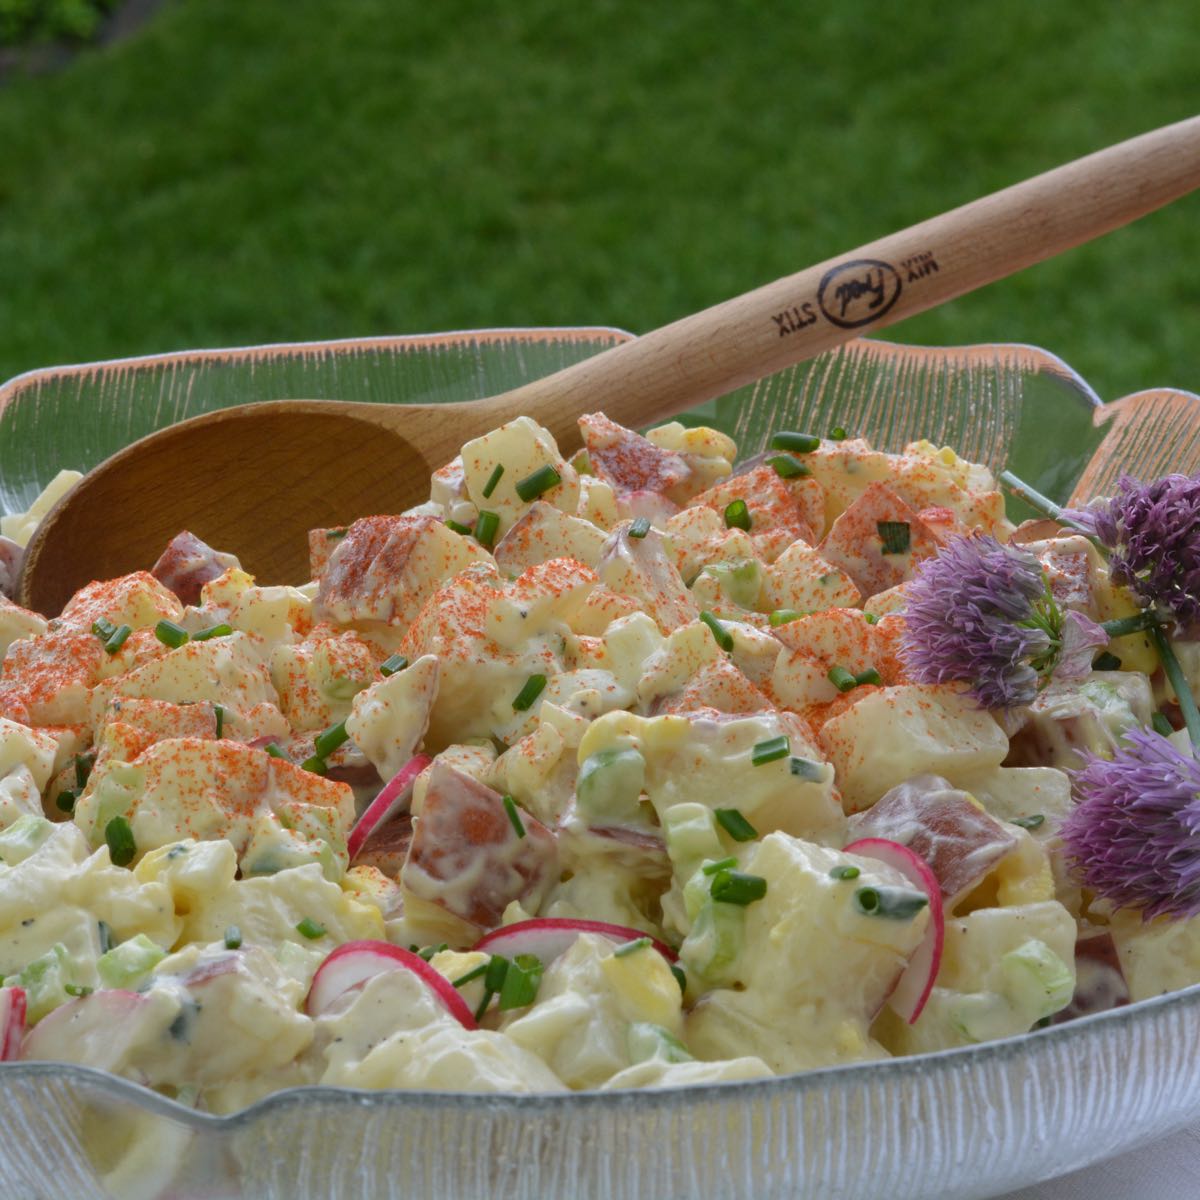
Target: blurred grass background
column 288, row 169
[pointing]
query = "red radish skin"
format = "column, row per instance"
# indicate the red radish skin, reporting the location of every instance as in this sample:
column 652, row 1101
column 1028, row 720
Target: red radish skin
column 396, row 792
column 12, row 1022
column 351, row 965
column 909, row 996
column 548, row 937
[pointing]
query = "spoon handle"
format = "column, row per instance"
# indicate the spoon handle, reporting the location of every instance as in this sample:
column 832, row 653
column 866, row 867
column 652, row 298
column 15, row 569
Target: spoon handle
column 800, row 316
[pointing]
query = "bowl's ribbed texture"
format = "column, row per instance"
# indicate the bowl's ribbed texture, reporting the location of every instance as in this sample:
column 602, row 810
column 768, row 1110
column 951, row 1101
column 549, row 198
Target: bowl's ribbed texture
column 967, row 1123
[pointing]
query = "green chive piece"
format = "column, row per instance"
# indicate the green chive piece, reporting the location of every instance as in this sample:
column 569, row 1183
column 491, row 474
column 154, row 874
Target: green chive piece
column 104, row 932
column 493, row 479
column 83, row 768
column 514, row 817
column 122, row 849
column 389, row 666
column 274, row 751
column 310, row 929
column 542, row 480
column 806, row 769
column 75, row 989
column 1106, row 662
column 680, row 977
column 872, row 618
column 838, row 434
column 521, row 982
column 845, row 872
column 214, row 631
column 118, row 638
column 333, row 737
column 896, row 536
column 529, row 693
column 316, row 764
column 1030, row 822
column 233, row 938
column 722, row 635
column 1160, row 724
column 770, row 750
column 737, row 515
column 170, row 634
column 736, row 887
column 219, row 714
column 640, row 527
column 784, row 616
column 800, row 443
column 870, row 675
column 427, row 952
column 898, row 903
column 66, row 801
column 103, row 629
column 736, row 825
column 842, row 679
column 787, row 467
column 497, row 969
column 1139, row 623
column 722, row 864
column 333, row 535
column 458, row 527
column 473, row 974
column 631, row 947
column 487, row 525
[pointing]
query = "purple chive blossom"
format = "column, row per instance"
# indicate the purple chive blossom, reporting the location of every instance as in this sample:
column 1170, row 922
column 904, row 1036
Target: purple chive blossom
column 1152, row 531
column 1134, row 836
column 981, row 613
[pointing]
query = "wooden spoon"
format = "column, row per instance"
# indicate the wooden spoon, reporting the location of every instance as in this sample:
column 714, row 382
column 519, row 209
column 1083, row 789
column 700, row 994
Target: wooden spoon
column 254, row 479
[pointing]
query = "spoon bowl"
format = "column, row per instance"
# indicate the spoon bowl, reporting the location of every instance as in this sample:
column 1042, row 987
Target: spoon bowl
column 254, row 479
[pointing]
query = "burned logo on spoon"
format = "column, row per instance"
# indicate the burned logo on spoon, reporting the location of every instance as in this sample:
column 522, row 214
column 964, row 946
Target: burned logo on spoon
column 858, row 292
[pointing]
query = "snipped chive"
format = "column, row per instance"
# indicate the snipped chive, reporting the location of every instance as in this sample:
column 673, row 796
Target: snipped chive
column 870, row 675
column 787, row 467
column 722, row 864
column 631, row 947
column 542, row 480
column 316, row 764
column 118, row 834
column 170, row 634
column 233, row 938
column 328, row 741
column 65, row 802
column 531, row 690
column 103, row 628
column 898, row 903
column 470, row 977
column 736, row 887
column 310, row 929
column 896, row 536
column 392, row 664
column 736, row 825
column 800, row 443
column 272, row 748
column 1160, row 724
column 117, row 638
column 213, row 631
column 1031, row 822
column 83, row 768
column 770, row 750
column 806, row 769
column 723, row 637
column 785, row 616
column 493, row 479
column 845, row 872
column 487, row 525
column 737, row 515
column 514, row 817
column 640, row 527
column 521, row 982
column 842, row 679
column 427, row 952
column 458, row 527
column 219, row 714
column 838, row 434
column 680, row 977
column 1106, row 662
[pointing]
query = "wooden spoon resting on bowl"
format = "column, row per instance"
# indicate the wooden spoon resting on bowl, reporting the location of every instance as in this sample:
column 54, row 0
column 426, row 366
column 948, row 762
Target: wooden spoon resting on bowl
column 254, row 479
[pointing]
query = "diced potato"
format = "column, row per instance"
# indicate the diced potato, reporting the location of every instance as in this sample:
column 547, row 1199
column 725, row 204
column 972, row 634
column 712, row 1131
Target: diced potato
column 546, row 532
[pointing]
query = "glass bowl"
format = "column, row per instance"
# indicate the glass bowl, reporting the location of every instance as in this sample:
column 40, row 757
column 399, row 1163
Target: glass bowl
column 957, row 1124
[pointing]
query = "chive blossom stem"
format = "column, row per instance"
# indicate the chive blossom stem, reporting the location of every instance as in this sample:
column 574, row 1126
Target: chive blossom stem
column 1179, row 684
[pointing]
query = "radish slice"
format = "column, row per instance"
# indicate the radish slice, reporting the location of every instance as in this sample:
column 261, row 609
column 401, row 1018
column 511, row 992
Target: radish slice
column 916, row 980
column 395, row 794
column 351, row 965
column 548, row 937
column 12, row 1022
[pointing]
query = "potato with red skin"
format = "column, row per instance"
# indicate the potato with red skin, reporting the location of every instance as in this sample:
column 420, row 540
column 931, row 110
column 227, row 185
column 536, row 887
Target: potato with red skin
column 772, row 502
column 630, row 462
column 466, row 855
column 188, row 563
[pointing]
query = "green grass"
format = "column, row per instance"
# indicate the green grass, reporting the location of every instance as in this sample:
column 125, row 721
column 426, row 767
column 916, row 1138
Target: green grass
column 246, row 172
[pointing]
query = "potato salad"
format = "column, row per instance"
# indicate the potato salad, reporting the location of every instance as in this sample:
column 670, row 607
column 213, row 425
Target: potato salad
column 634, row 768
